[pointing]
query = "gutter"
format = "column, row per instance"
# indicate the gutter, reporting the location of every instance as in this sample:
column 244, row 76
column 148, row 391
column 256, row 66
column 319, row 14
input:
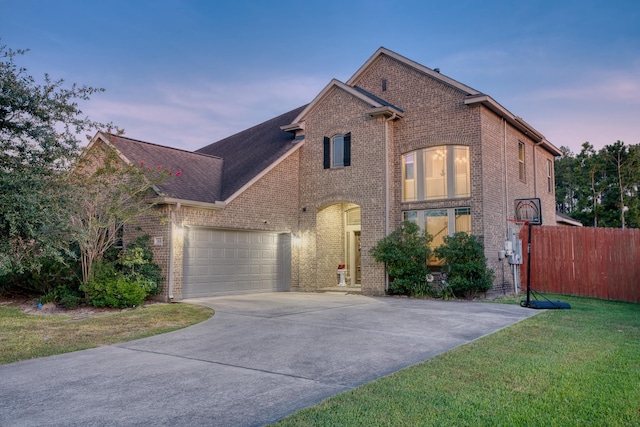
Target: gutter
column 171, row 252
column 190, row 203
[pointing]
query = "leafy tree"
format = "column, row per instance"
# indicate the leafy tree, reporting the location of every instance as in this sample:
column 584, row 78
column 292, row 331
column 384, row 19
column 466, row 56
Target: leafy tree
column 39, row 128
column 109, row 194
column 623, row 163
column 405, row 252
column 566, row 182
column 600, row 188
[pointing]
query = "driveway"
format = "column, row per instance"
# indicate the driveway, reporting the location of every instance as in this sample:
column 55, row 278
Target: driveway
column 260, row 358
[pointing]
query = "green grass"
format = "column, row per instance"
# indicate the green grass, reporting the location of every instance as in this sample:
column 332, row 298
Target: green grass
column 578, row 367
column 26, row 336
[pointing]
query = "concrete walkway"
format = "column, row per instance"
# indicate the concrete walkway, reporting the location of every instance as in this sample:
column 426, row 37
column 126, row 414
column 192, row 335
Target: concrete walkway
column 260, row 358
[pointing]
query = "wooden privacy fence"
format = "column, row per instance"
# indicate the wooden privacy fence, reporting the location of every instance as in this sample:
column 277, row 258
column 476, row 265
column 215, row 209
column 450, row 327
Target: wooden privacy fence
column 594, row 262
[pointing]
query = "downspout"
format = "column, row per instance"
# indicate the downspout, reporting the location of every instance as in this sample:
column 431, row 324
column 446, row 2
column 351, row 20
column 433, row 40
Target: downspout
column 386, row 186
column 505, row 173
column 171, row 251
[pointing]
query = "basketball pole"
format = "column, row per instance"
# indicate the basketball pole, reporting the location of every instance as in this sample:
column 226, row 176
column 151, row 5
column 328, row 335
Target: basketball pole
column 529, row 265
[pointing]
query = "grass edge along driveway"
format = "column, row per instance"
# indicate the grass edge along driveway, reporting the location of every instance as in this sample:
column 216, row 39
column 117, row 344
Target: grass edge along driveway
column 562, row 367
column 27, row 336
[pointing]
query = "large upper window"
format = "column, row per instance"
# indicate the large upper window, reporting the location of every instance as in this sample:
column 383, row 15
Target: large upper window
column 436, row 173
column 337, row 151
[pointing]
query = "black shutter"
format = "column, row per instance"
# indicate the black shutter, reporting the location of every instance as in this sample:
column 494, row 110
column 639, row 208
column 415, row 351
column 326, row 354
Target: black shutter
column 327, row 152
column 347, row 149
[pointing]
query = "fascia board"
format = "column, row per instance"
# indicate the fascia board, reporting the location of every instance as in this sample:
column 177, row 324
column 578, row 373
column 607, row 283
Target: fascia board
column 295, row 124
column 515, row 121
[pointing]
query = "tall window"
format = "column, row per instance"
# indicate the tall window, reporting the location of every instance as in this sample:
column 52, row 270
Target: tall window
column 521, row 165
column 409, row 177
column 433, row 173
column 550, row 176
column 439, row 223
column 337, row 151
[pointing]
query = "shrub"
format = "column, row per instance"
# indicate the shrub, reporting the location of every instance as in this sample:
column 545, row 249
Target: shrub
column 465, row 265
column 136, row 262
column 111, row 288
column 405, row 252
column 62, row 295
column 53, row 273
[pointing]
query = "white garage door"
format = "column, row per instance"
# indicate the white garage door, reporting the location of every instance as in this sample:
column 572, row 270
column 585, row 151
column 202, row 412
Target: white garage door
column 234, row 261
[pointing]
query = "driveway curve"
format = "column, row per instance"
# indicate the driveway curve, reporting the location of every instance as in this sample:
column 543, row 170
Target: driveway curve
column 259, row 358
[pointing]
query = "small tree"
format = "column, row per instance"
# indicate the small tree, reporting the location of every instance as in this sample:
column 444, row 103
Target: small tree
column 465, row 264
column 405, row 252
column 109, row 194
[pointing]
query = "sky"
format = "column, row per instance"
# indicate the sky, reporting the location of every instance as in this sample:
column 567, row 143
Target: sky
column 186, row 73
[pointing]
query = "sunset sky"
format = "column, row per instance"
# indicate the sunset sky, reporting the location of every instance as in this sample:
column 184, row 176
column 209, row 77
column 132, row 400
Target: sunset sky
column 188, row 73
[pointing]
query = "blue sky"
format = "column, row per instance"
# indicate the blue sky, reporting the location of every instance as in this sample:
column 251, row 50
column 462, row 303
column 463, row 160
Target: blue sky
column 188, row 73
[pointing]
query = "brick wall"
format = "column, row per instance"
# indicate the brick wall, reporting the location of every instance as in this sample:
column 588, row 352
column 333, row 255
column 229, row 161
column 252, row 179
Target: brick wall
column 362, row 183
column 270, row 204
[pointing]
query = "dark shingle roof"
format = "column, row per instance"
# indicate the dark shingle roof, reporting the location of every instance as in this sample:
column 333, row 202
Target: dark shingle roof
column 249, row 152
column 201, row 177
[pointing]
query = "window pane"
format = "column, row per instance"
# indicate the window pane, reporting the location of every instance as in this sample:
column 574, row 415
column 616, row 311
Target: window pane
column 435, row 164
column 436, row 223
column 410, row 216
column 353, row 216
column 463, row 219
column 338, row 151
column 409, row 181
column 462, row 175
column 521, row 170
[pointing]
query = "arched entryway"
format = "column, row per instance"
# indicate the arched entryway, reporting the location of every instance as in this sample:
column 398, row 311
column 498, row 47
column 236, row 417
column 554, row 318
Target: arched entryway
column 338, row 229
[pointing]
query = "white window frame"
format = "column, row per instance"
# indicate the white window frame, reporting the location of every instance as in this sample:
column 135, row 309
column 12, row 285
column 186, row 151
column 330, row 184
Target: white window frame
column 522, row 161
column 550, row 176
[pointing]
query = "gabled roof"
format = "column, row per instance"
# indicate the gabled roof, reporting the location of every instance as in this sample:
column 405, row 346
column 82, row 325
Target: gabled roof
column 418, row 67
column 251, row 152
column 201, row 175
column 378, row 105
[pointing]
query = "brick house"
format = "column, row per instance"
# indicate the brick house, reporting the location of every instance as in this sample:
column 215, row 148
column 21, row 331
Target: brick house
column 280, row 205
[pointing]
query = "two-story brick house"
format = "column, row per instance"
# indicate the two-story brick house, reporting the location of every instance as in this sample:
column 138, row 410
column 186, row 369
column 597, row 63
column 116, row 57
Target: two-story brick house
column 281, row 205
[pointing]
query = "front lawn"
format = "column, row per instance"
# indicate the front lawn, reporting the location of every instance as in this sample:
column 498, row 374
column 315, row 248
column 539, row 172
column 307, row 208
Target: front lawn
column 573, row 367
column 25, row 336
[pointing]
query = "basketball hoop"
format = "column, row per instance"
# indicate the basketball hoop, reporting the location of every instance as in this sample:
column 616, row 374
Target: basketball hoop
column 529, row 210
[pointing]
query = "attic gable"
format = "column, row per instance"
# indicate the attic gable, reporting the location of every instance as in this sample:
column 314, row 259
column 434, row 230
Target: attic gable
column 378, row 105
column 416, row 66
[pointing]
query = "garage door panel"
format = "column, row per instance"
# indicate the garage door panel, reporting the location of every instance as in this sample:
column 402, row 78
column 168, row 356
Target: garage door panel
column 226, row 261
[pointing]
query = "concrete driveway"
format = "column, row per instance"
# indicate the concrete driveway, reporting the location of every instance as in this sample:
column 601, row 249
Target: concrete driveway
column 260, row 358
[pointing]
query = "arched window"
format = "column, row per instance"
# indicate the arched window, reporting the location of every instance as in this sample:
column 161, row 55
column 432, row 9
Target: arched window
column 434, row 173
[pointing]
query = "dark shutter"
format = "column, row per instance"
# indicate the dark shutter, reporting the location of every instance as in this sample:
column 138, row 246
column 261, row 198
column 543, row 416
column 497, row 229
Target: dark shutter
column 347, row 149
column 327, row 152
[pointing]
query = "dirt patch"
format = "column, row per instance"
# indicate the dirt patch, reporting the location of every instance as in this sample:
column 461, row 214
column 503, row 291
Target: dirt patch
column 31, row 306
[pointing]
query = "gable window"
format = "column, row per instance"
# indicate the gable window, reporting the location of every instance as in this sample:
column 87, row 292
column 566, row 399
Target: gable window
column 436, row 173
column 549, row 176
column 337, row 151
column 521, row 165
